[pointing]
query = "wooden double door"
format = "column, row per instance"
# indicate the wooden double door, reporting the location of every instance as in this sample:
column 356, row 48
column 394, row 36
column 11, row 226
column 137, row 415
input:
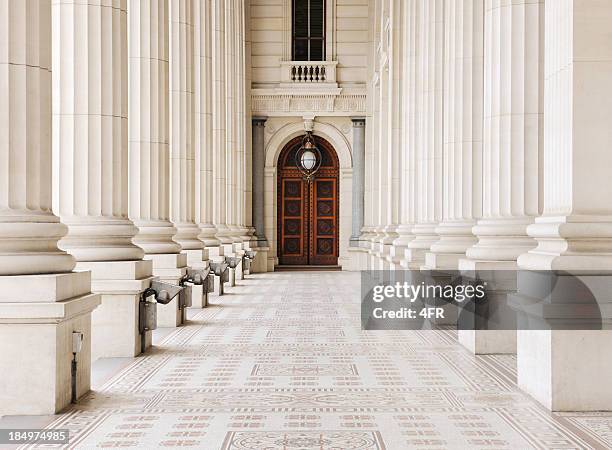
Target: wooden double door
column 308, row 212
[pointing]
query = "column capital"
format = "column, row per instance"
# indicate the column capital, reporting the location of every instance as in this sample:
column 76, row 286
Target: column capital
column 358, row 121
column 259, row 121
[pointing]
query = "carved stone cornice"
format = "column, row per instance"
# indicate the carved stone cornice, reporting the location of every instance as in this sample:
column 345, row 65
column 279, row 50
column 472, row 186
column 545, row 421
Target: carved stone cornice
column 330, row 102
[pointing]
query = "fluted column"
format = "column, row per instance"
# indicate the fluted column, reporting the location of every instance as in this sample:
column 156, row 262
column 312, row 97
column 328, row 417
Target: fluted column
column 408, row 129
column 368, row 231
column 243, row 124
column 375, row 225
column 562, row 369
column 219, row 124
column 430, row 126
column 463, row 109
column 29, row 231
column 392, row 129
column 203, row 44
column 513, row 107
column 248, row 143
column 182, row 132
column 359, row 137
column 149, row 176
column 230, row 124
column 377, row 229
column 90, row 104
column 512, row 146
column 41, row 301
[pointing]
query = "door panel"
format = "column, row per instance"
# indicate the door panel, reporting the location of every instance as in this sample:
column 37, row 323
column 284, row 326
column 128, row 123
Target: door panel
column 324, row 222
column 293, row 240
column 308, row 213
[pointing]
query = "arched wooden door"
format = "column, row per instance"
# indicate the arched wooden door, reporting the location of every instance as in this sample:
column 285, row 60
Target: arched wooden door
column 308, row 212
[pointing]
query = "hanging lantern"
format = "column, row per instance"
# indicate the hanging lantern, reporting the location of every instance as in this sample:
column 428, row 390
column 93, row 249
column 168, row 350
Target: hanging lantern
column 308, row 157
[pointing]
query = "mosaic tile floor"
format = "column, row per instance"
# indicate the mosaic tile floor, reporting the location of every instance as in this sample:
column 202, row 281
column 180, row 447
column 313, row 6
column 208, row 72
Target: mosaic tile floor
column 280, row 363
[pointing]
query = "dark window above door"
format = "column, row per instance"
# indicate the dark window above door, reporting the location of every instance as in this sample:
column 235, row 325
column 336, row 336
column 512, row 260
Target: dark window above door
column 308, row 30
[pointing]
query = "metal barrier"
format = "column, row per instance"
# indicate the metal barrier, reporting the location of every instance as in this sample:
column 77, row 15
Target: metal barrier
column 147, row 310
column 220, row 269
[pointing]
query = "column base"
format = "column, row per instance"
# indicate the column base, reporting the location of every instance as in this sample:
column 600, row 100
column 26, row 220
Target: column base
column 260, row 263
column 455, row 238
column 442, row 261
column 357, row 259
column 115, row 322
column 169, row 268
column 38, row 314
column 215, row 254
column 198, row 260
column 561, row 369
column 228, row 249
column 487, row 342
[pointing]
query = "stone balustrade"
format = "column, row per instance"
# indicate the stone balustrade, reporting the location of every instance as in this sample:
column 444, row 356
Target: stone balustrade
column 309, row 73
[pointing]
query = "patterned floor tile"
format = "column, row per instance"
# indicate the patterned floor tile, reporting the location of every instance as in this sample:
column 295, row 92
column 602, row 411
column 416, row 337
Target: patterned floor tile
column 281, row 363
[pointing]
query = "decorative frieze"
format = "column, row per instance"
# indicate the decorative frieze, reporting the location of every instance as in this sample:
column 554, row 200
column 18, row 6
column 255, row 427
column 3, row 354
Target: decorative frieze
column 281, row 103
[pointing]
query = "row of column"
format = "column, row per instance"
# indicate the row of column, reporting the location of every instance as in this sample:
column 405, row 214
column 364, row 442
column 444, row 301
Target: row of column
column 503, row 148
column 121, row 146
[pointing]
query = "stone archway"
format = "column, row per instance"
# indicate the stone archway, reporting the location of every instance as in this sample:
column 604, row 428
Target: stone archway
column 308, row 213
column 273, row 148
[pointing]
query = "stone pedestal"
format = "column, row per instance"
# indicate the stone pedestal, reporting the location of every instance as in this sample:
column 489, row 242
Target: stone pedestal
column 36, row 326
column 228, row 249
column 198, row 260
column 567, row 341
column 169, row 268
column 216, row 254
column 260, row 263
column 487, row 342
column 484, row 342
column 357, row 259
column 115, row 322
column 566, row 370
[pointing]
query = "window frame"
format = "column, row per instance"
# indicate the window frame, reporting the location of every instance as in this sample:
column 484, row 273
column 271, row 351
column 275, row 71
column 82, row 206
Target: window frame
column 308, row 39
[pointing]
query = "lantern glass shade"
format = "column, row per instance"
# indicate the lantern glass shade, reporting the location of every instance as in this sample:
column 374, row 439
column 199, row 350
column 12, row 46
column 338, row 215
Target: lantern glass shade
column 308, row 160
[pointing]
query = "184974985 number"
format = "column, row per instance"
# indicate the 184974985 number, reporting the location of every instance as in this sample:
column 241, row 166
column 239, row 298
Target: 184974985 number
column 38, row 436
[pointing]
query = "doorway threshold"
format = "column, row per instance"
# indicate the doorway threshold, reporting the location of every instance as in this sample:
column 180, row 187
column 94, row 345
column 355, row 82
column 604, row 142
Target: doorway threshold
column 301, row 268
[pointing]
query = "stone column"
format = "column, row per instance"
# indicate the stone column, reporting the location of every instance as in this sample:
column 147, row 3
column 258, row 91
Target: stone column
column 463, row 118
column 148, row 112
column 204, row 93
column 392, row 129
column 230, row 125
column 248, row 144
column 259, row 162
column 182, row 131
column 377, row 228
column 408, row 130
column 358, row 178
column 244, row 126
column 260, row 244
column 564, row 370
column 90, row 106
column 182, row 140
column 148, row 126
column 357, row 254
column 41, row 301
column 219, row 131
column 368, row 231
column 512, row 145
column 430, row 126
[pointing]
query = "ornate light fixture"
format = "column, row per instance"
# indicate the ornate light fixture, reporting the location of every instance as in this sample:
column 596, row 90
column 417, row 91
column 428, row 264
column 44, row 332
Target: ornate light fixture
column 308, row 157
